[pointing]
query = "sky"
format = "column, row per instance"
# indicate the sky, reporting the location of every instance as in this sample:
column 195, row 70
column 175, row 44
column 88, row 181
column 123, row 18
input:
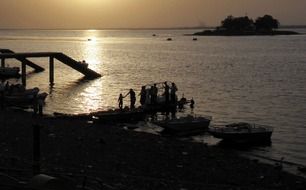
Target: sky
column 103, row 14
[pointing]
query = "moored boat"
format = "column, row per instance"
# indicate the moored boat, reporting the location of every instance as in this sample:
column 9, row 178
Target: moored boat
column 20, row 97
column 185, row 125
column 119, row 116
column 242, row 133
column 7, row 72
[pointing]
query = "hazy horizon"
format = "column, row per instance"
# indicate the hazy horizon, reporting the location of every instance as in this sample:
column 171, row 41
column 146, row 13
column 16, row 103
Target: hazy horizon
column 141, row 14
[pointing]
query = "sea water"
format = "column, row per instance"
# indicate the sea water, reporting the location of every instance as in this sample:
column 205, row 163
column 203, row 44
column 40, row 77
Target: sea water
column 260, row 79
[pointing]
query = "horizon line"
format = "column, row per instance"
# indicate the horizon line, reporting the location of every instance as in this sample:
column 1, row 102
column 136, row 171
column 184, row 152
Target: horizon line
column 145, row 28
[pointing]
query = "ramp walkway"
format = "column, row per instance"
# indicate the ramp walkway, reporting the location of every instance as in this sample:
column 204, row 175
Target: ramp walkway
column 63, row 58
column 36, row 67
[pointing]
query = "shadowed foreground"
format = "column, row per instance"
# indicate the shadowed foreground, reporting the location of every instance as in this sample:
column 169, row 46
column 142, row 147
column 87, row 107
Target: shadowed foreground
column 109, row 157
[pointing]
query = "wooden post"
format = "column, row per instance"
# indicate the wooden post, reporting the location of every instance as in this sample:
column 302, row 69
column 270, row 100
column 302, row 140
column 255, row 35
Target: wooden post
column 36, row 149
column 23, row 74
column 2, row 62
column 51, row 70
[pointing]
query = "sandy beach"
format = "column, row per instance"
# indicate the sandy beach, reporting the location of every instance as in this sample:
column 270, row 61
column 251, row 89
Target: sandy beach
column 109, row 157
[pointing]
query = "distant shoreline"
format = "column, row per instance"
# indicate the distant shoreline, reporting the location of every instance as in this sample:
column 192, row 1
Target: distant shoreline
column 244, row 33
column 149, row 28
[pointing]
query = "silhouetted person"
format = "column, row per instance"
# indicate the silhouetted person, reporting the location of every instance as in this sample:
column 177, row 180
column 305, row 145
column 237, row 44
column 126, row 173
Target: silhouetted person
column 166, row 93
column 132, row 98
column 143, row 95
column 2, row 91
column 120, row 101
column 192, row 103
column 35, row 105
column 173, row 93
column 182, row 102
column 7, row 86
column 154, row 92
column 40, row 102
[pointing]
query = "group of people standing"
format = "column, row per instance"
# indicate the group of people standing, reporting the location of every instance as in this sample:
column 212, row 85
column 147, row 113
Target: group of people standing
column 149, row 95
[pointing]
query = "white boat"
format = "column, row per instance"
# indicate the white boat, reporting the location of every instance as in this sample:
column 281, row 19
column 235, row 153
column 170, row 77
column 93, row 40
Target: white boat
column 185, row 125
column 242, row 132
column 9, row 72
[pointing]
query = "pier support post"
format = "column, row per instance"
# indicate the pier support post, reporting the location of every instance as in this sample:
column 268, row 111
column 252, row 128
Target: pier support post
column 23, row 74
column 2, row 62
column 51, row 70
column 36, row 149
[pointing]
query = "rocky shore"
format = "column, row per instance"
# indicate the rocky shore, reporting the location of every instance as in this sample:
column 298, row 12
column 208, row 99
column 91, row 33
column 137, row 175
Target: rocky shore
column 99, row 156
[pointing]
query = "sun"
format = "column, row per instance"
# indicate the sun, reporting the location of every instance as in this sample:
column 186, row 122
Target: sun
column 93, row 2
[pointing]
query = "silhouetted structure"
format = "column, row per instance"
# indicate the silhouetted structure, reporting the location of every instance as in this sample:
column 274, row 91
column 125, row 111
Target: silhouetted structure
column 76, row 65
column 29, row 63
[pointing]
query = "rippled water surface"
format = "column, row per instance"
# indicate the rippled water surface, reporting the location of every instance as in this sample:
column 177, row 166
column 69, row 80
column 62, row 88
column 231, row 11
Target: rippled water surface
column 259, row 79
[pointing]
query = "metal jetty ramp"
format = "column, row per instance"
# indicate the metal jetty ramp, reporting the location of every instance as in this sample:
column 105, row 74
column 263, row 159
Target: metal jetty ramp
column 22, row 57
column 37, row 68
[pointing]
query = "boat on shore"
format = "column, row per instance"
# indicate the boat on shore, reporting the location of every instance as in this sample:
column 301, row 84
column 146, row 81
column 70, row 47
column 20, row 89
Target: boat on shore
column 9, row 72
column 18, row 96
column 242, row 133
column 119, row 115
column 186, row 125
column 107, row 116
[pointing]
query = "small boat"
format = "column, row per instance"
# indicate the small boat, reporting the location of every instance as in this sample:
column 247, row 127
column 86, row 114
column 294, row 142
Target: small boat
column 7, row 72
column 243, row 132
column 119, row 116
column 19, row 90
column 21, row 97
column 185, row 125
column 169, row 39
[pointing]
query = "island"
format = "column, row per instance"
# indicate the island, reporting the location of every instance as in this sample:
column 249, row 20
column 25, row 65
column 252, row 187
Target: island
column 245, row 26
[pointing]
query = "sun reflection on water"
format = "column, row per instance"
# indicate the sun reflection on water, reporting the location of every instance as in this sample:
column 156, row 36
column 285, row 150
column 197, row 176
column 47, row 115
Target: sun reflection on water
column 91, row 95
column 92, row 49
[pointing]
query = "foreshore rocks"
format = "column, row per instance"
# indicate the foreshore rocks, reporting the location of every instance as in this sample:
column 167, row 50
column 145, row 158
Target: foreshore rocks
column 109, row 157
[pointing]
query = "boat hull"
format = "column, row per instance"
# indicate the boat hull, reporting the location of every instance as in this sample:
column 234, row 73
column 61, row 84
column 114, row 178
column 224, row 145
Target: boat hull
column 184, row 127
column 243, row 132
column 243, row 137
column 7, row 72
column 119, row 116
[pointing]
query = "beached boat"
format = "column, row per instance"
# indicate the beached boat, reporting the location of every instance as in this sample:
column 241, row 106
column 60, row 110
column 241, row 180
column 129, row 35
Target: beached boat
column 119, row 116
column 23, row 98
column 242, row 132
column 6, row 72
column 19, row 90
column 107, row 116
column 185, row 125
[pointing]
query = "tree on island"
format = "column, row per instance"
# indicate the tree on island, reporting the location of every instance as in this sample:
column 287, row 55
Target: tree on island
column 237, row 24
column 266, row 23
column 242, row 26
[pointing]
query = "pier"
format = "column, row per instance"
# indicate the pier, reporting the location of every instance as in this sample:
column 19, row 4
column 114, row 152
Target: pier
column 22, row 57
column 29, row 63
